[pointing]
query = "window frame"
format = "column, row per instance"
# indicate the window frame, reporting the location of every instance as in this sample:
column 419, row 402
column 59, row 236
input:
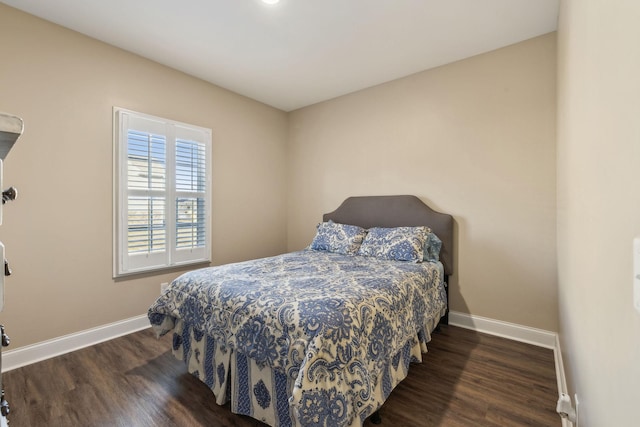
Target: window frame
column 125, row 262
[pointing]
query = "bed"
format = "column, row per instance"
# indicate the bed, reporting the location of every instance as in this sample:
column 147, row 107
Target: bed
column 321, row 336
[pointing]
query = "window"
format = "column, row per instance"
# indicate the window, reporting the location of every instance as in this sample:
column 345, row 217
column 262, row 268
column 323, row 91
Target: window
column 162, row 193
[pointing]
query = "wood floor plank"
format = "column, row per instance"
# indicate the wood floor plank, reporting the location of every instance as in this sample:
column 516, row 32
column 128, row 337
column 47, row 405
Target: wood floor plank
column 467, row 379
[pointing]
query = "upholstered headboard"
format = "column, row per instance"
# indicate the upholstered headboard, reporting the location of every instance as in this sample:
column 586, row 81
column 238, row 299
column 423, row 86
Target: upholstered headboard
column 397, row 211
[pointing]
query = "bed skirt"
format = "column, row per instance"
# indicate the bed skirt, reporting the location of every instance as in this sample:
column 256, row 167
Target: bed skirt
column 268, row 394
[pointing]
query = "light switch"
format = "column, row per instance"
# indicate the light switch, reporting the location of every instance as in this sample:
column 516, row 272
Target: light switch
column 636, row 273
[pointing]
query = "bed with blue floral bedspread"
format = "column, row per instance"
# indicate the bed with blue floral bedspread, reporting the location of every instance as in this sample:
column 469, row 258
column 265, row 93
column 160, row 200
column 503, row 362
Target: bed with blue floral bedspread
column 305, row 338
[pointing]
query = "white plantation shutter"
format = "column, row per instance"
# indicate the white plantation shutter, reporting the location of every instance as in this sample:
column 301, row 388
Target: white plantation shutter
column 162, row 194
column 146, row 185
column 190, row 194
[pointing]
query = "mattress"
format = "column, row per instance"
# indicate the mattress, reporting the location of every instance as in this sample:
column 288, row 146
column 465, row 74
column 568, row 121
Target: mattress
column 304, row 338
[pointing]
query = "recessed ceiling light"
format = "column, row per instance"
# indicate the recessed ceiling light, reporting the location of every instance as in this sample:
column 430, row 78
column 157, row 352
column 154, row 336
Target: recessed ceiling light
column 270, row 1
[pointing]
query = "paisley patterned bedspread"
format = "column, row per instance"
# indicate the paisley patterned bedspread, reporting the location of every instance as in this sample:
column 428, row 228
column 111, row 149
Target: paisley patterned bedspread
column 331, row 323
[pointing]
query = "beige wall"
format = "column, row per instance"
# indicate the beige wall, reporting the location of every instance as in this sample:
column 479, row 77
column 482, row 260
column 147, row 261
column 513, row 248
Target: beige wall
column 475, row 139
column 599, row 205
column 58, row 233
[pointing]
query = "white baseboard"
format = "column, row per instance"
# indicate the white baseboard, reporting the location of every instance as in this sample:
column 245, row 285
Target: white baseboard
column 516, row 332
column 22, row 356
column 512, row 331
column 29, row 354
column 562, row 379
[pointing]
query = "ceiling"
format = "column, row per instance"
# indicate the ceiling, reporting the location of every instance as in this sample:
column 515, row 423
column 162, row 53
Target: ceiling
column 300, row 52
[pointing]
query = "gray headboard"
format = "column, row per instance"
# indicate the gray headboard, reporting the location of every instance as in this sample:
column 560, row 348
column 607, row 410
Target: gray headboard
column 397, row 211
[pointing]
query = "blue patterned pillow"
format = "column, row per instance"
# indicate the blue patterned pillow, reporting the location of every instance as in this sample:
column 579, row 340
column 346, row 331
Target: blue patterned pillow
column 399, row 243
column 339, row 238
column 432, row 247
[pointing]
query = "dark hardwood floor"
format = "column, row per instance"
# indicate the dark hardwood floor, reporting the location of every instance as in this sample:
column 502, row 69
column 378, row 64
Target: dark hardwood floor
column 467, row 379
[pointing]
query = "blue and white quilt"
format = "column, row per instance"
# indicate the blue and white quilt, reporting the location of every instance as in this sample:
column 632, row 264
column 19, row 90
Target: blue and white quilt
column 307, row 338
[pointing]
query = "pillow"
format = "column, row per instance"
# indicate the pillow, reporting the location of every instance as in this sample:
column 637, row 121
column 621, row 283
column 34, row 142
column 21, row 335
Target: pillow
column 339, row 238
column 399, row 243
column 432, row 247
